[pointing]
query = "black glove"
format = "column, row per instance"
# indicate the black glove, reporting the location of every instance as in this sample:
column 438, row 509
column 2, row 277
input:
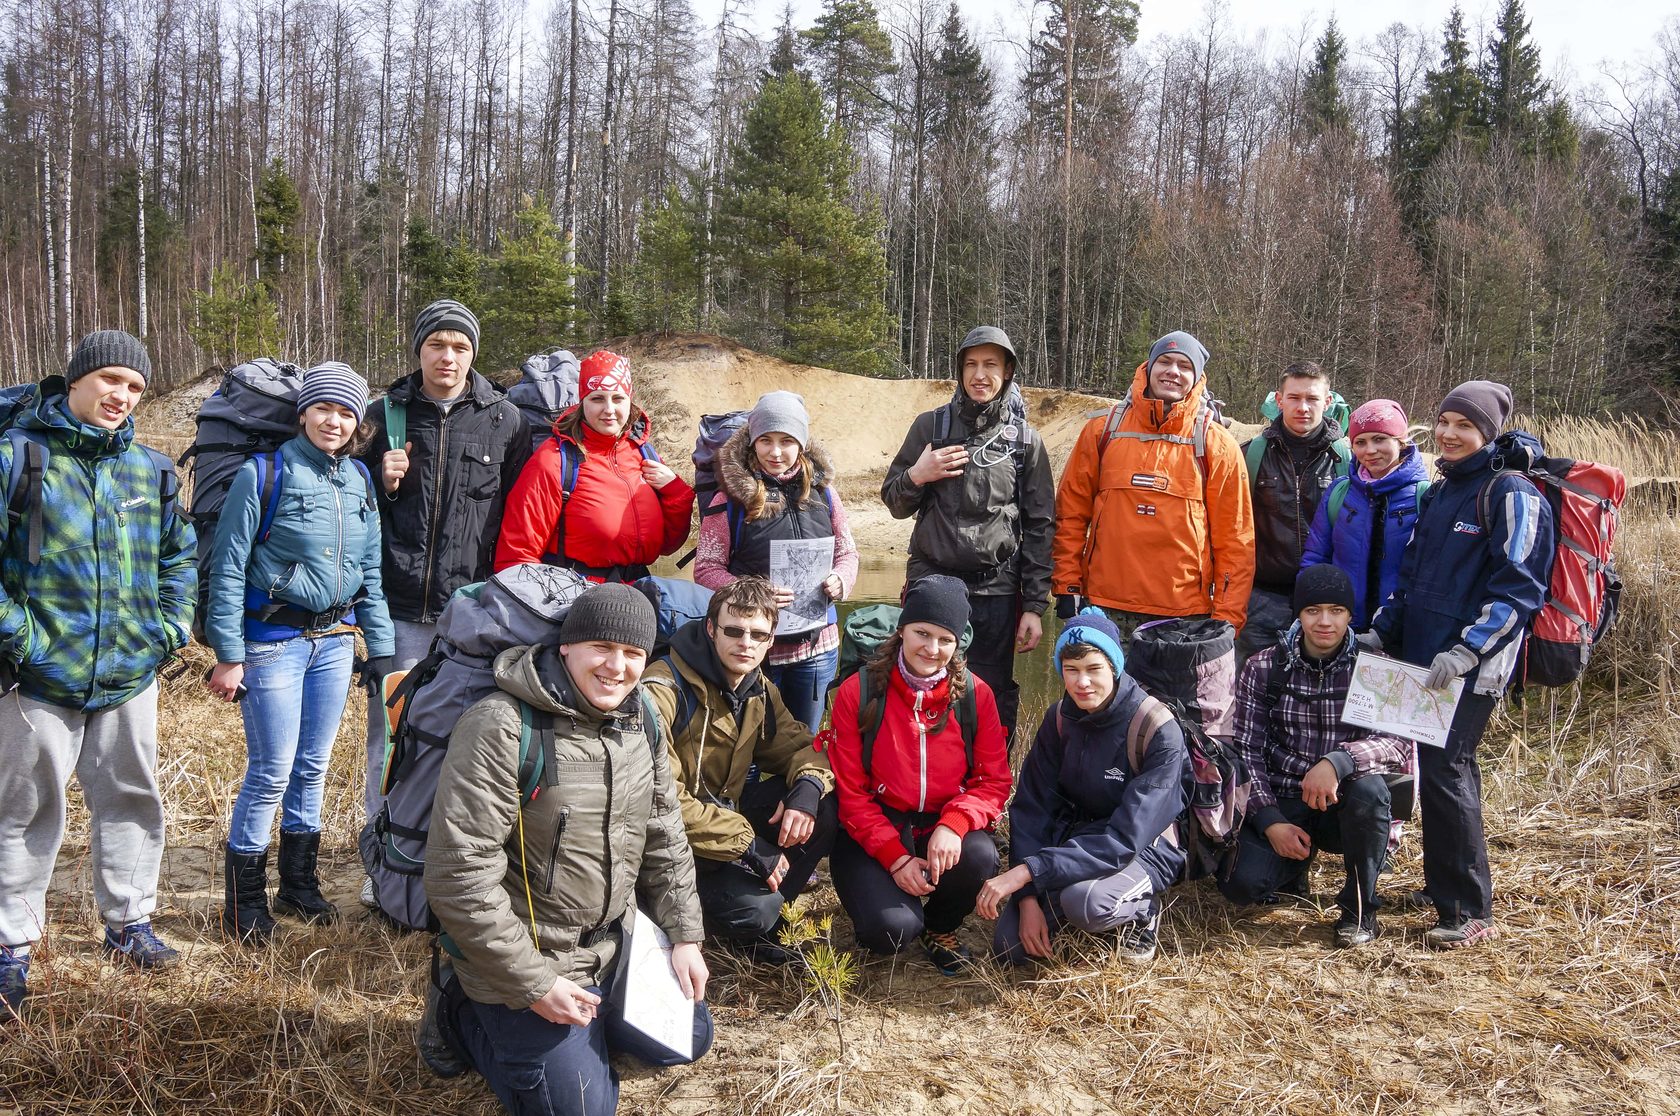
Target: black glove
column 1068, row 605
column 374, row 671
column 804, row 796
column 761, row 858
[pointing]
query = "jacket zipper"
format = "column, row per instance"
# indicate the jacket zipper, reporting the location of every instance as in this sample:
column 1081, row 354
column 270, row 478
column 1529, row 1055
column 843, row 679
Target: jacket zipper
column 606, row 830
column 437, row 501
column 921, row 736
column 554, row 853
column 338, row 558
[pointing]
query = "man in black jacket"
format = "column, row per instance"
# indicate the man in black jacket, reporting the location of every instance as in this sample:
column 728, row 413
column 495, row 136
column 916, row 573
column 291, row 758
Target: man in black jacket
column 459, row 446
column 1291, row 465
column 977, row 479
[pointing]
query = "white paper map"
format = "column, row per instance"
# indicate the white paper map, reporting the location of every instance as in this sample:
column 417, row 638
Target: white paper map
column 802, row 565
column 654, row 1003
column 1389, row 695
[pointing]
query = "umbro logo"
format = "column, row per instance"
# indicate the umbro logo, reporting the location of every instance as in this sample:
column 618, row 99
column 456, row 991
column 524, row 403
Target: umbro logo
column 1114, row 773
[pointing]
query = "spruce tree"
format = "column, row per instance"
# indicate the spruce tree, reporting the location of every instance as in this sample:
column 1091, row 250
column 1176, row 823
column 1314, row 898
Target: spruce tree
column 812, row 270
column 963, row 101
column 665, row 283
column 1510, row 74
column 529, row 300
column 1322, row 108
column 1080, row 43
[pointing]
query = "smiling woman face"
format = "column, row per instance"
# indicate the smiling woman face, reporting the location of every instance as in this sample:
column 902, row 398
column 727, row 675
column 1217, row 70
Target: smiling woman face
column 1456, row 437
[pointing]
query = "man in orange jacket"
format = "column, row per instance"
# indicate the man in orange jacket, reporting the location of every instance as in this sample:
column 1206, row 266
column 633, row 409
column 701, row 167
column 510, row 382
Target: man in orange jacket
column 1153, row 516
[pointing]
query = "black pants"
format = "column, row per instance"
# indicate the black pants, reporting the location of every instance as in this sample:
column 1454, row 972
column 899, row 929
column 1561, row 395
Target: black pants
column 884, row 916
column 1455, row 856
column 738, row 905
column 992, row 654
column 1356, row 827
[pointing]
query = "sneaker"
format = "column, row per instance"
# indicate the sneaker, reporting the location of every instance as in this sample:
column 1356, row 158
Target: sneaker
column 439, row 1048
column 368, row 898
column 1459, row 933
column 1352, row 932
column 1136, row 941
column 139, row 945
column 948, row 955
column 14, row 980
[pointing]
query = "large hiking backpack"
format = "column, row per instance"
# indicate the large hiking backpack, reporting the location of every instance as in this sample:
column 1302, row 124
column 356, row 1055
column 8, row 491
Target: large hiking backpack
column 31, row 454
column 517, row 606
column 548, row 384
column 1190, row 667
column 715, row 431
column 1583, row 591
column 675, row 603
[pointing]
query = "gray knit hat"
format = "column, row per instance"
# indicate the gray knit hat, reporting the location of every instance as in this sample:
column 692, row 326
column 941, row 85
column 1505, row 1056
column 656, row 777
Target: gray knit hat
column 108, row 348
column 445, row 313
column 1483, row 402
column 782, row 412
column 613, row 613
column 987, row 335
column 1180, row 342
column 333, row 382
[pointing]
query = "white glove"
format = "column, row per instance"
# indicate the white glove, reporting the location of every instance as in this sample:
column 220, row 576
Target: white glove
column 1452, row 663
column 1370, row 641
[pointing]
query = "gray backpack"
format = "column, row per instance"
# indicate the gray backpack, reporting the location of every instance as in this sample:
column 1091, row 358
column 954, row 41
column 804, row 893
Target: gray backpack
column 548, row 385
column 519, row 606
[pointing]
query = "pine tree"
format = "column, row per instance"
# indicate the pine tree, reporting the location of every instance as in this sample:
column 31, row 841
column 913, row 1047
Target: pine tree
column 853, row 54
column 665, row 283
column 784, row 49
column 1322, row 107
column 234, row 320
column 813, row 270
column 528, row 303
column 962, row 105
column 1510, row 74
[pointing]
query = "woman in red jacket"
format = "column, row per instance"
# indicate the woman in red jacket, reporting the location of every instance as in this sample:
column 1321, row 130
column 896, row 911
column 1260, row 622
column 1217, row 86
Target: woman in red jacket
column 916, row 823
column 623, row 507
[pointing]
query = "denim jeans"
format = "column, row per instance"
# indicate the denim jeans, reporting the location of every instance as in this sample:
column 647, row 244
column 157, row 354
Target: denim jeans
column 295, row 701
column 804, row 686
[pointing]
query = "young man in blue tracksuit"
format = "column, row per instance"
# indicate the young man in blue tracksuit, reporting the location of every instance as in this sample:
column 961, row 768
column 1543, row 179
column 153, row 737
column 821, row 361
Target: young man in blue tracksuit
column 1467, row 591
column 1092, row 829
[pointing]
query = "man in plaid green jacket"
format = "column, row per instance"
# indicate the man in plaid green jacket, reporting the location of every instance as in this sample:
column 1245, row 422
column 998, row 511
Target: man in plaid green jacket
column 97, row 584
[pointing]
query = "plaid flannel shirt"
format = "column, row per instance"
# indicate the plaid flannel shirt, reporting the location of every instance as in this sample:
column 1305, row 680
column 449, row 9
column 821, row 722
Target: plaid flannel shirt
column 1280, row 745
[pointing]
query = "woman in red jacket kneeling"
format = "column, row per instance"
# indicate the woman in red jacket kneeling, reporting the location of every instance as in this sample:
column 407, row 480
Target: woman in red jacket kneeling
column 917, row 809
column 596, row 498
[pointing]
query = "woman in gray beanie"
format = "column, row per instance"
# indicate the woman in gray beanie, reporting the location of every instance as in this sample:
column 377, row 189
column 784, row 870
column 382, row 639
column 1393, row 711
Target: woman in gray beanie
column 775, row 486
column 294, row 573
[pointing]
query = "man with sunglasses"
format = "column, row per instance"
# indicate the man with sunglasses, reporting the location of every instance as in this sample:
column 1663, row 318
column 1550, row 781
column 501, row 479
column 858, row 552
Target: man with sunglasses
column 757, row 799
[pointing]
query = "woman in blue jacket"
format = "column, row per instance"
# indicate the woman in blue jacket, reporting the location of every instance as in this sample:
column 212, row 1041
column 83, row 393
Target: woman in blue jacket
column 1091, row 829
column 1473, row 575
column 1378, row 503
column 294, row 573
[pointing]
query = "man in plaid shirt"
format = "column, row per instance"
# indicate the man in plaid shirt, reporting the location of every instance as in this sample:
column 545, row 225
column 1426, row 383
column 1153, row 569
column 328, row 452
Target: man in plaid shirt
column 1317, row 782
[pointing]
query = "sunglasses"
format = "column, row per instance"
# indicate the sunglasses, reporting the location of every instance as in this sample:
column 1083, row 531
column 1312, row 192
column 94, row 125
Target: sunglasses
column 757, row 635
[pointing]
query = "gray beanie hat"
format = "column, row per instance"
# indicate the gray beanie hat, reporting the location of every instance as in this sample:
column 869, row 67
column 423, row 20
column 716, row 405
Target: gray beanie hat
column 1180, row 342
column 987, row 335
column 612, row 613
column 445, row 313
column 333, row 382
column 782, row 412
column 108, row 348
column 1483, row 402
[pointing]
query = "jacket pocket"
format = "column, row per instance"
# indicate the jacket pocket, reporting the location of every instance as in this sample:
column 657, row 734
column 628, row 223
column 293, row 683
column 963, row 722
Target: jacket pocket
column 554, row 850
column 481, row 470
column 282, row 581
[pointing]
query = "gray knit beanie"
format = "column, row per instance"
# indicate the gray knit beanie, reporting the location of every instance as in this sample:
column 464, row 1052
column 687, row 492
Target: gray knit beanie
column 107, row 348
column 1180, row 342
column 333, row 382
column 445, row 313
column 781, row 412
column 611, row 613
column 1483, row 402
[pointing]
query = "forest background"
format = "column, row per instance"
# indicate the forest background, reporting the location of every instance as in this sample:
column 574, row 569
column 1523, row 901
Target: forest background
column 235, row 177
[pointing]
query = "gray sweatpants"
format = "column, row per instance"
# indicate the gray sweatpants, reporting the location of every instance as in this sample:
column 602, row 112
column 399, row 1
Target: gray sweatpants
column 1091, row 905
column 413, row 642
column 113, row 753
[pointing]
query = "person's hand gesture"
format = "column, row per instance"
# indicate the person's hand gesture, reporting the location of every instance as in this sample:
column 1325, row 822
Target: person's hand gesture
column 911, row 876
column 944, row 849
column 1289, row 841
column 393, row 467
column 568, row 1003
column 657, row 473
column 938, row 464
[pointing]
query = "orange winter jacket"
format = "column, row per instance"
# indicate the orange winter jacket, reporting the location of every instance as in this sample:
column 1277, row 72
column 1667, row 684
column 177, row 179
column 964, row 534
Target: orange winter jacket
column 1137, row 526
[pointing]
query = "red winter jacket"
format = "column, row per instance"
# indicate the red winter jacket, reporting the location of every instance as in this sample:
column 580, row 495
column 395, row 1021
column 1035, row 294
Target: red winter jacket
column 914, row 772
column 612, row 518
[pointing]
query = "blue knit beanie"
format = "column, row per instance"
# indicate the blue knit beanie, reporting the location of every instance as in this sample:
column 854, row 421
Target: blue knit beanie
column 333, row 382
column 1095, row 629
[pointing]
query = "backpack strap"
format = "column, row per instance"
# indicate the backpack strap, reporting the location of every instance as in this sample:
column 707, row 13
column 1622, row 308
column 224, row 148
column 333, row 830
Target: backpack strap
column 687, row 703
column 871, row 712
column 571, row 464
column 270, row 470
column 1150, row 718
column 1338, row 496
column 942, row 427
column 1344, row 455
column 968, row 723
column 1253, row 454
column 24, row 487
column 536, row 737
column 367, row 477
column 396, row 423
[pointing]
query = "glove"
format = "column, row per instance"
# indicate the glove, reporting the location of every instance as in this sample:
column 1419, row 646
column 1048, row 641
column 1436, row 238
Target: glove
column 374, row 671
column 1452, row 663
column 804, row 796
column 1068, row 605
column 761, row 858
column 1370, row 641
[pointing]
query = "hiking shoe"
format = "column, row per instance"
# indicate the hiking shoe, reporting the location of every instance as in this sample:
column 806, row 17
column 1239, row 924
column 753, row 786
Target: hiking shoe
column 138, row 944
column 1458, row 933
column 1136, row 941
column 367, row 897
column 1352, row 932
column 948, row 955
column 14, row 980
column 299, row 893
column 439, row 1048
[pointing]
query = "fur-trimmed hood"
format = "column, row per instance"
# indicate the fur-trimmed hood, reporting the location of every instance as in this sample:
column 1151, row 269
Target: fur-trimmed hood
column 740, row 479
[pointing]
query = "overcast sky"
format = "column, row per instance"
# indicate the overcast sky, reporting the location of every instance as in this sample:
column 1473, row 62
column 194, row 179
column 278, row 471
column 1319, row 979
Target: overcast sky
column 1575, row 36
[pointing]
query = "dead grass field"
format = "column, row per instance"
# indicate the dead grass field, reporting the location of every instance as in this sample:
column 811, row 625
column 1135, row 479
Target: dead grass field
column 1575, row 1008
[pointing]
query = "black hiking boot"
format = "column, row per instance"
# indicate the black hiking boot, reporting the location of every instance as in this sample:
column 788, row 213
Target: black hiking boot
column 245, row 903
column 299, row 893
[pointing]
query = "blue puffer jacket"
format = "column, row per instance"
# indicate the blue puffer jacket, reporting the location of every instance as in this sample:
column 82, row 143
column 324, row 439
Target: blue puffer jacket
column 1370, row 558
column 1467, row 582
column 1080, row 811
column 322, row 550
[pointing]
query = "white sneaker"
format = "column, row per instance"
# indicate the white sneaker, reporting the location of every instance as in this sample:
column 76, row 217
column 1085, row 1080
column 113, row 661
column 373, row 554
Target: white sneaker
column 368, row 899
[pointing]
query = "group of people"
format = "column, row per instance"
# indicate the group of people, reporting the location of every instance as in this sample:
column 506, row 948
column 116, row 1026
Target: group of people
column 712, row 779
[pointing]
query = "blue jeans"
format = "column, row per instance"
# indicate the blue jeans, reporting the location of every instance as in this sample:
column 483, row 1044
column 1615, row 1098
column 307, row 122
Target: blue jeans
column 295, row 701
column 804, row 685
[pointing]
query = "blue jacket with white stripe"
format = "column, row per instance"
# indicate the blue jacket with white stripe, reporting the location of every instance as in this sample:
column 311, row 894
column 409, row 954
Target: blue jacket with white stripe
column 1466, row 582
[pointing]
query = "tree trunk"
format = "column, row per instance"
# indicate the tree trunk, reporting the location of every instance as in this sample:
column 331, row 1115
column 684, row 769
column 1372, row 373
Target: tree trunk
column 608, row 97
column 571, row 206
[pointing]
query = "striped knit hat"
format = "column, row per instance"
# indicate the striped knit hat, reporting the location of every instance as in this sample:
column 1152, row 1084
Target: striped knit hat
column 333, row 382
